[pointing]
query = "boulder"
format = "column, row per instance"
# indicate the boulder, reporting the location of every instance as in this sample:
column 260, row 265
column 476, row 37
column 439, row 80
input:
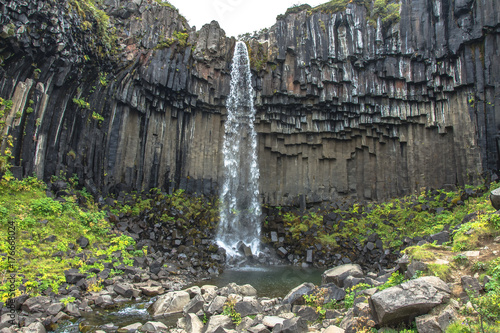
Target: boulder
column 471, row 284
column 170, row 303
column 247, row 290
column 193, row 323
column 333, row 329
column 271, row 321
column 152, row 290
column 55, row 308
column 72, row 310
column 83, row 242
column 338, row 274
column 73, row 276
column 36, row 304
column 6, row 320
column 428, row 324
column 495, row 198
column 36, row 327
column 124, row 289
column 129, row 328
column 104, row 301
column 194, row 305
column 218, row 321
column 153, row 326
column 409, row 300
column 248, row 308
column 295, row 296
column 260, row 328
column 306, row 312
column 292, row 325
column 216, row 305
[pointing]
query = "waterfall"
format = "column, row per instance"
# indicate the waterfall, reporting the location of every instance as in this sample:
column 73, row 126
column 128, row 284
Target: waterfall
column 240, row 210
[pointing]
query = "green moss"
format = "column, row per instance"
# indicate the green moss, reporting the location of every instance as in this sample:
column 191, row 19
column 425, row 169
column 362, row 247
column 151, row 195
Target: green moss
column 441, row 271
column 178, row 37
column 98, row 21
column 258, row 58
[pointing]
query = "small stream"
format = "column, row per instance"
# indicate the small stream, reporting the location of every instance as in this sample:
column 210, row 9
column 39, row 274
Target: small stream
column 270, row 281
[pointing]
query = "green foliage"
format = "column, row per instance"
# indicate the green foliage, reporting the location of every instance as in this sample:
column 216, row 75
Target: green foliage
column 257, row 55
column 316, row 299
column 165, row 3
column 96, row 116
column 181, row 38
column 461, row 259
column 228, row 310
column 352, row 293
column 103, row 79
column 395, row 279
column 24, row 204
column 440, row 270
column 98, row 21
column 294, row 9
column 81, row 103
column 67, row 300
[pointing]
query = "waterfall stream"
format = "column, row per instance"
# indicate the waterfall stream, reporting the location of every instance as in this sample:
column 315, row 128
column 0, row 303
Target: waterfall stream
column 240, row 210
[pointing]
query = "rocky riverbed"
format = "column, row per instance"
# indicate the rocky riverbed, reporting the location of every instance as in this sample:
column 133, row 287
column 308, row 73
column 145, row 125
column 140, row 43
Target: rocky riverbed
column 347, row 300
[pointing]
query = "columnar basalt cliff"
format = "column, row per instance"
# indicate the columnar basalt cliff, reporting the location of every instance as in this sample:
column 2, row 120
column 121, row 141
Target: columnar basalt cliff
column 347, row 105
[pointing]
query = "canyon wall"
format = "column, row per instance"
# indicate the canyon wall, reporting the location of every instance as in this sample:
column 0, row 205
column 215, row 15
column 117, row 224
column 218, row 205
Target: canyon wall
column 347, row 106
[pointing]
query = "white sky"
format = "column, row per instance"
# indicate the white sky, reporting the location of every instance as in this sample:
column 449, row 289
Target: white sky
column 236, row 16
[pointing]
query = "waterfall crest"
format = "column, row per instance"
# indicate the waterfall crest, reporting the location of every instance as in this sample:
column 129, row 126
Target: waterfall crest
column 240, row 210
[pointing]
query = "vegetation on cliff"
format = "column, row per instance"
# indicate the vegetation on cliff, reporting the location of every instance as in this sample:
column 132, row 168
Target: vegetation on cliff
column 386, row 10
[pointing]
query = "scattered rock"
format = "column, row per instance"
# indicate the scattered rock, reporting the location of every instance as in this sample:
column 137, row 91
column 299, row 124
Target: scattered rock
column 153, row 326
column 410, row 299
column 338, row 274
column 170, row 303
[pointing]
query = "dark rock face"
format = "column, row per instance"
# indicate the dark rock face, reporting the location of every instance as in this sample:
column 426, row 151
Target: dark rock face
column 344, row 108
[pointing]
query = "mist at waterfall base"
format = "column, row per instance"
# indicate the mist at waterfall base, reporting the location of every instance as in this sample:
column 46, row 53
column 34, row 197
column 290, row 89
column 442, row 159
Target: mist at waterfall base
column 240, row 211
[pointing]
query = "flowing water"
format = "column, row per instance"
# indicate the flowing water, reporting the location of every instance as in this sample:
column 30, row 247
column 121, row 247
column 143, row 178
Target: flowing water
column 240, row 207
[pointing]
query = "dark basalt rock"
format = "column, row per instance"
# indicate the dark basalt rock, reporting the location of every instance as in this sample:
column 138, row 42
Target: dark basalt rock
column 344, row 108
